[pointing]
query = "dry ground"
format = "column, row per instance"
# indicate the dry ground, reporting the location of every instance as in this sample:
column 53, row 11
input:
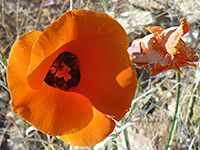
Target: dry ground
column 151, row 130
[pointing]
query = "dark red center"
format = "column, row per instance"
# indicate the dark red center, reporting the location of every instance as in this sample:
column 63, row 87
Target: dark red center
column 64, row 72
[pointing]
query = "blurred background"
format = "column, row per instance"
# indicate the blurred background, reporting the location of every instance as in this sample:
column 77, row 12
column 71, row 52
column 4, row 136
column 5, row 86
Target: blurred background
column 150, row 125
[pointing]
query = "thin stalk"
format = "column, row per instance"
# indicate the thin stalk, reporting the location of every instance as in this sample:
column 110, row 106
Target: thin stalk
column 175, row 121
column 133, row 107
column 126, row 136
column 103, row 6
column 42, row 141
column 60, row 143
column 26, row 144
column 39, row 15
column 136, row 92
column 4, row 62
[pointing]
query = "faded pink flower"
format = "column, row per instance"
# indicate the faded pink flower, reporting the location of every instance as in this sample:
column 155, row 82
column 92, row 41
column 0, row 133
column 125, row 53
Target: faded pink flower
column 163, row 49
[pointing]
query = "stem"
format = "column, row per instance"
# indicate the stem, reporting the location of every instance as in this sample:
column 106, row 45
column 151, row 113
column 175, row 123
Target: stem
column 175, row 121
column 137, row 92
column 126, row 136
column 133, row 107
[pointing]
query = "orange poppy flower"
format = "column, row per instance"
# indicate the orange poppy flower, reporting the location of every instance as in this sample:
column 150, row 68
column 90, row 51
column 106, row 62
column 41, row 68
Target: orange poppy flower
column 66, row 80
column 163, row 49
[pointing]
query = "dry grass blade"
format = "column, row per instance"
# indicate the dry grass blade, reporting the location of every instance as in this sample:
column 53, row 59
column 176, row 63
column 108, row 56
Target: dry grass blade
column 27, row 147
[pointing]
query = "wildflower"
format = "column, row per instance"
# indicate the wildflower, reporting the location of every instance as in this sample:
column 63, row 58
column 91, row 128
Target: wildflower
column 163, row 49
column 66, row 80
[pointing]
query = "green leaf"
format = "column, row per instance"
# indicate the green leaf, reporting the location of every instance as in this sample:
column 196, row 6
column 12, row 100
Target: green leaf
column 4, row 59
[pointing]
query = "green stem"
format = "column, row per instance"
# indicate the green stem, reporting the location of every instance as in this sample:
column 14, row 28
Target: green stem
column 133, row 107
column 137, row 92
column 126, row 136
column 175, row 121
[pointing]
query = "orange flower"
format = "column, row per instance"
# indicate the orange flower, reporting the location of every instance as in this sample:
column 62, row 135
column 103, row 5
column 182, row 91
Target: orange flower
column 163, row 49
column 68, row 78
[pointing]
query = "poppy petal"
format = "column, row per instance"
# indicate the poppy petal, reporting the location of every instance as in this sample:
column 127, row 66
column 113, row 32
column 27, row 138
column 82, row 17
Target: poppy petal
column 50, row 110
column 107, row 76
column 147, row 51
column 98, row 129
column 163, row 50
column 105, row 63
column 154, row 29
column 79, row 25
column 174, row 38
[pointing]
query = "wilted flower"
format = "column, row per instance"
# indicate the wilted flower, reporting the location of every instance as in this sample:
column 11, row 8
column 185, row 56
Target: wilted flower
column 68, row 78
column 163, row 49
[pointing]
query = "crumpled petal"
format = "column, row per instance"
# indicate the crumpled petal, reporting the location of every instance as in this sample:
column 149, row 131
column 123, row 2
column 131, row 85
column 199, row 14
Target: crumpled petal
column 98, row 129
column 163, row 49
column 50, row 110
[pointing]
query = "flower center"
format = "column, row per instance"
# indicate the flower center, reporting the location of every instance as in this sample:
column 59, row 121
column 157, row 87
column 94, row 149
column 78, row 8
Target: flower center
column 64, row 72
